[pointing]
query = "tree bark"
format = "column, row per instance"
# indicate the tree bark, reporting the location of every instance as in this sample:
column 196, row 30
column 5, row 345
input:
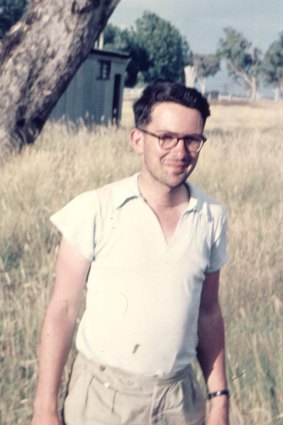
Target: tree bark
column 38, row 58
column 190, row 75
column 250, row 81
column 202, row 84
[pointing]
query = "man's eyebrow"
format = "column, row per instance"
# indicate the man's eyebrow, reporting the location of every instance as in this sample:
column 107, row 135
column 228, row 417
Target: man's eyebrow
column 171, row 133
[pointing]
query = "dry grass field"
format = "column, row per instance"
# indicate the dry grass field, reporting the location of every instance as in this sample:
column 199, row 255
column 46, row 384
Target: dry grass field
column 241, row 165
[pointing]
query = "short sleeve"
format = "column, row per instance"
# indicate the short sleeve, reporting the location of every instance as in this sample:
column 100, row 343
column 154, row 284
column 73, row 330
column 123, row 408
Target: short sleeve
column 218, row 253
column 76, row 222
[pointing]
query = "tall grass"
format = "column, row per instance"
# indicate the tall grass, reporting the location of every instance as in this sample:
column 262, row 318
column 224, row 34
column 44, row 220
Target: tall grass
column 241, row 165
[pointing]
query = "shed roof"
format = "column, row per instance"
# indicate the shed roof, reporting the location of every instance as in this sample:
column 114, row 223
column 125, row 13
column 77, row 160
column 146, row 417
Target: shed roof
column 110, row 53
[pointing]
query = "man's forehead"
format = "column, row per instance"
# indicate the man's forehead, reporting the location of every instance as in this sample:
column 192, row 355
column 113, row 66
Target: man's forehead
column 168, row 110
column 160, row 107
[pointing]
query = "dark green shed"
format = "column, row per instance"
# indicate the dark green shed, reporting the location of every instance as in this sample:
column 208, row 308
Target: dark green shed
column 95, row 93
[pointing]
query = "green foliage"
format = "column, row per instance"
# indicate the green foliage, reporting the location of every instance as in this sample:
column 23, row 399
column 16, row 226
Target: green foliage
column 272, row 67
column 10, row 12
column 111, row 35
column 206, row 65
column 156, row 47
column 239, row 53
column 126, row 40
column 167, row 49
column 242, row 58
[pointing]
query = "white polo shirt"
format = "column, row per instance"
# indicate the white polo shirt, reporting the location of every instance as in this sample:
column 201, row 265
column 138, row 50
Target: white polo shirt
column 143, row 293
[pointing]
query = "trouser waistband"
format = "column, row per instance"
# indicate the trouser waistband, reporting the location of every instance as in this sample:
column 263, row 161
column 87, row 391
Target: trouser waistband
column 120, row 377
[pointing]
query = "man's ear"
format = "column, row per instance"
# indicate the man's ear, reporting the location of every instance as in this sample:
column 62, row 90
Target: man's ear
column 137, row 140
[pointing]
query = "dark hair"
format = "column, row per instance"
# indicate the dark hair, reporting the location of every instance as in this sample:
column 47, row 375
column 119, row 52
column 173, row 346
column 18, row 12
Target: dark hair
column 161, row 91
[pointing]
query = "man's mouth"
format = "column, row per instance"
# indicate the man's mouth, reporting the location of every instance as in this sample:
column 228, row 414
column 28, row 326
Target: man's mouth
column 178, row 165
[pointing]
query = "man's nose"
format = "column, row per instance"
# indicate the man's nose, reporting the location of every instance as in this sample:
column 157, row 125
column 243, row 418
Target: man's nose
column 181, row 149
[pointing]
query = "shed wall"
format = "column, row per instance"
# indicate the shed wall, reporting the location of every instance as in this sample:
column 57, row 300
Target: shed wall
column 90, row 96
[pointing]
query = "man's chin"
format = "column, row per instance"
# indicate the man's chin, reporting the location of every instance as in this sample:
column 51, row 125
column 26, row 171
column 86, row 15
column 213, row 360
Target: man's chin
column 177, row 180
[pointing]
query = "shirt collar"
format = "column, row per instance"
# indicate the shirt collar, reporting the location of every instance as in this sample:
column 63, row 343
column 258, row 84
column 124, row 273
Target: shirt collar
column 127, row 191
column 130, row 190
column 194, row 202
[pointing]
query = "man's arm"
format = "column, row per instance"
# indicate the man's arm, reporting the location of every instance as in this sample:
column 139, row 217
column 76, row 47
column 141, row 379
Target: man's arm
column 211, row 348
column 58, row 330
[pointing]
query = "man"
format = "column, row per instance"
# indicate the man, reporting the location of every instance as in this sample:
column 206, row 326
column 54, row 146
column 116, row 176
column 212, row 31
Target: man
column 150, row 248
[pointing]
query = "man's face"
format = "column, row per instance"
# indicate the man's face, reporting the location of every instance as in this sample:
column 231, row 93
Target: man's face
column 172, row 167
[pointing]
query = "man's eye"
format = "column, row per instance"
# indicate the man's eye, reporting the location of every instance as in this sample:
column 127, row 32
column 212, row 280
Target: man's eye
column 190, row 139
column 167, row 137
column 193, row 138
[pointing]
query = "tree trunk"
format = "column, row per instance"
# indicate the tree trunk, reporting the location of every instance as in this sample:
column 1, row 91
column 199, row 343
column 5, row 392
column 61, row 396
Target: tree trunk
column 202, row 84
column 190, row 75
column 277, row 93
column 254, row 89
column 251, row 81
column 38, row 58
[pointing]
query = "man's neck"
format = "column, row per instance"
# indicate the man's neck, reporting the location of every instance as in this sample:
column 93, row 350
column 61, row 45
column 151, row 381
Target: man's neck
column 161, row 196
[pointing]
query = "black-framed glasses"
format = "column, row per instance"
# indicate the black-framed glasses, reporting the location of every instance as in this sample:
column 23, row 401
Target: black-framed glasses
column 167, row 141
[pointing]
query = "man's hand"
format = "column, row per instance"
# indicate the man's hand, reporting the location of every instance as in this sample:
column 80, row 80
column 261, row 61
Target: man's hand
column 219, row 411
column 45, row 418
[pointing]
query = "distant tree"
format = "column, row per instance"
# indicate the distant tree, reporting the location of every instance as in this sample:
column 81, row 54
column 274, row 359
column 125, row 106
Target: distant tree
column 156, row 47
column 205, row 66
column 168, row 51
column 38, row 58
column 272, row 66
column 10, row 12
column 126, row 40
column 243, row 60
column 140, row 60
column 112, row 36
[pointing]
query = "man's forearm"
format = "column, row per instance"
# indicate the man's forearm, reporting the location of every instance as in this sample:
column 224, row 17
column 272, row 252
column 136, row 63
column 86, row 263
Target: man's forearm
column 211, row 349
column 58, row 329
column 56, row 340
column 211, row 357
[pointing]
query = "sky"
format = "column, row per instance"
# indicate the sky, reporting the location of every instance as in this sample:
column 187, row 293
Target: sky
column 202, row 22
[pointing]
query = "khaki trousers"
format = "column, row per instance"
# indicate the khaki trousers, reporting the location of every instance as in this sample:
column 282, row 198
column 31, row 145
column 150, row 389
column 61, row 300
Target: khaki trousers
column 100, row 395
